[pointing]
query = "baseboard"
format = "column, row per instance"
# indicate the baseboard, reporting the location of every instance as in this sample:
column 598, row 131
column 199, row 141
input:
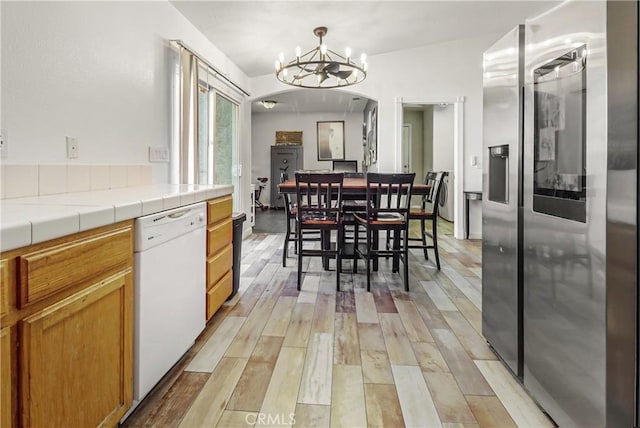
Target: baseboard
column 475, row 235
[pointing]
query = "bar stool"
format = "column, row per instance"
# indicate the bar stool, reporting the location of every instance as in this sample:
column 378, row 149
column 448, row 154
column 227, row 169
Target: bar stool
column 319, row 202
column 387, row 209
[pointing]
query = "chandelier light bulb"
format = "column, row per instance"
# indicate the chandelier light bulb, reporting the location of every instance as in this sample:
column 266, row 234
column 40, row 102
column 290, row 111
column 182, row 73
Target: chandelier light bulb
column 363, row 58
column 330, row 68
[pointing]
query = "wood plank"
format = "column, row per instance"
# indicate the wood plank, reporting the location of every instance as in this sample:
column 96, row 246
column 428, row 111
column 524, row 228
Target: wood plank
column 383, row 406
column 178, row 399
column 396, row 340
column 463, row 285
column 324, row 314
column 309, row 289
column 315, row 387
column 300, row 326
column 348, row 407
column 346, row 349
column 247, row 337
column 280, row 317
column 489, row 412
column 470, row 312
column 438, row 296
column 429, row 357
column 252, row 385
column 212, row 351
column 376, row 367
column 371, row 337
column 475, row 345
column 282, row 391
column 346, row 302
column 416, row 329
column 418, row 408
column 467, row 375
column 249, row 299
column 384, row 301
column 312, row 415
column 235, row 419
column 207, row 408
column 519, row 405
column 366, row 311
column 429, row 312
column 449, row 401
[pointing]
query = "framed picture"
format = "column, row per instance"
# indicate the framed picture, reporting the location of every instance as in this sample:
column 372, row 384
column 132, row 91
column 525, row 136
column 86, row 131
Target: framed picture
column 331, row 140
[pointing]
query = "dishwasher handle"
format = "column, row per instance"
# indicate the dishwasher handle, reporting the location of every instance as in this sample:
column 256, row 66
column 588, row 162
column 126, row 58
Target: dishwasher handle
column 179, row 214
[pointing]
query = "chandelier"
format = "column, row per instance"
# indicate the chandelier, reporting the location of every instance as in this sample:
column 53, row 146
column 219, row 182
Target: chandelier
column 321, row 67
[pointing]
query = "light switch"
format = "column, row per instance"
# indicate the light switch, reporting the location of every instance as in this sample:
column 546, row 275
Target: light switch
column 158, row 154
column 474, row 160
column 4, row 143
column 72, row 148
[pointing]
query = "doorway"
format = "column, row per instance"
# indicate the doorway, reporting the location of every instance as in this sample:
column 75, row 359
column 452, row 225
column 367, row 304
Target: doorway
column 431, row 140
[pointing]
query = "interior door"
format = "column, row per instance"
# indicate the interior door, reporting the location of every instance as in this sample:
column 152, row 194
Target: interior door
column 406, row 148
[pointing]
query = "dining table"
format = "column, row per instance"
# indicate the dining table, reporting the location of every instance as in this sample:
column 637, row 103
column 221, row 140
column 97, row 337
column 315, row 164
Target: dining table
column 354, row 188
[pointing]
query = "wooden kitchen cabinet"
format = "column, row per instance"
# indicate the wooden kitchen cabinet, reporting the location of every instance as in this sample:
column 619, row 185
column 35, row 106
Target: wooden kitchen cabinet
column 7, row 381
column 70, row 310
column 219, row 253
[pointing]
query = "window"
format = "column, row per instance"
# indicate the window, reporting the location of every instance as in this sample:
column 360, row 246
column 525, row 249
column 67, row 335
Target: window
column 205, row 148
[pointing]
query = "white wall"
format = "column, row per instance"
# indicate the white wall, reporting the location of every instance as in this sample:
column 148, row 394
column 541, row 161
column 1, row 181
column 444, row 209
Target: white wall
column 428, row 138
column 440, row 71
column 415, row 119
column 263, row 131
column 98, row 71
column 443, row 127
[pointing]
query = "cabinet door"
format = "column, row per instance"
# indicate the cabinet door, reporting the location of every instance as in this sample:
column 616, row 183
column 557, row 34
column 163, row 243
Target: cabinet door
column 6, row 374
column 76, row 357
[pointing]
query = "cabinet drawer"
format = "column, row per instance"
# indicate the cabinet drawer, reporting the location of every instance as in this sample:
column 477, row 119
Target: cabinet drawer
column 219, row 293
column 219, row 236
column 219, row 264
column 46, row 272
column 219, row 209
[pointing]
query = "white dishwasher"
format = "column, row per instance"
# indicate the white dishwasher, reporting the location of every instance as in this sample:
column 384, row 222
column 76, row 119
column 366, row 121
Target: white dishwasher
column 170, row 290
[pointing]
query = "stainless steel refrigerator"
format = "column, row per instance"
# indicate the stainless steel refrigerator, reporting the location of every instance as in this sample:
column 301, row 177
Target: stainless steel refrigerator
column 575, row 265
column 503, row 81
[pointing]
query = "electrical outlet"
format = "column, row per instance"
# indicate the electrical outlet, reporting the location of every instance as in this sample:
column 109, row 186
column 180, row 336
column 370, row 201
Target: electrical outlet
column 158, row 154
column 72, row 148
column 4, row 143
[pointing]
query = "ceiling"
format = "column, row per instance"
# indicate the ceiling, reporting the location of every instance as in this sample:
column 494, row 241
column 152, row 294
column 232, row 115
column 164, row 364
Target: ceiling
column 253, row 33
column 312, row 101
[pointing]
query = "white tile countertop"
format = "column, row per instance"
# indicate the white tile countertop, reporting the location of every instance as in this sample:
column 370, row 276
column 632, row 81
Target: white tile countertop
column 26, row 221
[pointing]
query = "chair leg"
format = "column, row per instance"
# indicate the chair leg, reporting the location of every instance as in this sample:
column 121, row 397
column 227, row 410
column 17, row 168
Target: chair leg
column 405, row 262
column 295, row 248
column 424, row 238
column 376, row 245
column 396, row 256
column 299, row 258
column 355, row 249
column 287, row 236
column 435, row 241
column 338, row 259
column 368, row 260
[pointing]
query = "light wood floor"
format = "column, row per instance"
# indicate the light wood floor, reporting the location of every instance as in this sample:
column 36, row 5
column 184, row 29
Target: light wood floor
column 317, row 358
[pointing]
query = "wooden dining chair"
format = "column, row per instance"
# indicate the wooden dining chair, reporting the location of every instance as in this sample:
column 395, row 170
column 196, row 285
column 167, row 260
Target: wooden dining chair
column 319, row 201
column 428, row 211
column 387, row 209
